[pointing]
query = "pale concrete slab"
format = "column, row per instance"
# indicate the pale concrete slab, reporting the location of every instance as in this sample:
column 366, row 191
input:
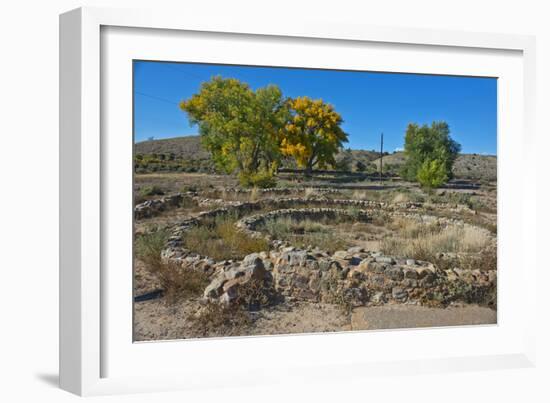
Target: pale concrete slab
column 411, row 316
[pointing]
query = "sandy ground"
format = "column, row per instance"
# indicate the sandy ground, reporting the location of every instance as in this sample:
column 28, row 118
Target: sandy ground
column 156, row 320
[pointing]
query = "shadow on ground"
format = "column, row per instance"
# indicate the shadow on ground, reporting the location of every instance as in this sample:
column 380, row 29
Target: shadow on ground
column 49, row 379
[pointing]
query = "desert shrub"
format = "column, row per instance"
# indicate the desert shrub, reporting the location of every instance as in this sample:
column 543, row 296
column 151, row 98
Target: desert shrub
column 471, row 294
column 484, row 260
column 360, row 166
column 254, row 295
column 466, row 199
column 407, row 228
column 148, row 248
column 176, row 281
column 180, row 281
column 221, row 240
column 220, row 320
column 151, row 191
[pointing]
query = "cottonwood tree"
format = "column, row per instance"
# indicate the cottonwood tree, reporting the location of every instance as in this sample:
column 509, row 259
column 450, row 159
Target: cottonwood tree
column 240, row 127
column 430, row 153
column 313, row 134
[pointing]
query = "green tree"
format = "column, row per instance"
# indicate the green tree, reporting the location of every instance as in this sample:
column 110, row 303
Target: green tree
column 432, row 173
column 240, row 127
column 426, row 144
column 313, row 134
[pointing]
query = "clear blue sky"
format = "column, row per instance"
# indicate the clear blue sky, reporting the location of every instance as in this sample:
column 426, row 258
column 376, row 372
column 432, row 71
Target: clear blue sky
column 369, row 103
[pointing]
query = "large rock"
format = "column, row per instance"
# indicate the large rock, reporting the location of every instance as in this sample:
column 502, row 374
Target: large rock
column 215, row 288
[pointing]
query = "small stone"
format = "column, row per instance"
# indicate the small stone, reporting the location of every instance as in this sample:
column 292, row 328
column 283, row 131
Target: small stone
column 355, row 249
column 256, row 272
column 252, row 260
column 399, row 294
column 378, row 298
column 411, row 262
column 395, row 273
column 385, row 259
column 412, row 274
column 294, row 258
column 341, row 254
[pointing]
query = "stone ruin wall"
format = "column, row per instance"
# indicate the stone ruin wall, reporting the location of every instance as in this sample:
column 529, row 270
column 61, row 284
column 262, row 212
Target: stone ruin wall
column 354, row 277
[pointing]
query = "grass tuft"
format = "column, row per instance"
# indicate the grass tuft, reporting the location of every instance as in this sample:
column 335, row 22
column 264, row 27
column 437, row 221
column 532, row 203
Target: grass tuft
column 221, row 320
column 221, row 240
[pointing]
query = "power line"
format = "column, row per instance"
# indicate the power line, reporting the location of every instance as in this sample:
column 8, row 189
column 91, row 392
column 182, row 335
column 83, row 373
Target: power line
column 156, row 98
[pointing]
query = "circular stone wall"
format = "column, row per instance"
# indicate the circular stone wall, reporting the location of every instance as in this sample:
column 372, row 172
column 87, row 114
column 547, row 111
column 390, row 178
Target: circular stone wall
column 351, row 277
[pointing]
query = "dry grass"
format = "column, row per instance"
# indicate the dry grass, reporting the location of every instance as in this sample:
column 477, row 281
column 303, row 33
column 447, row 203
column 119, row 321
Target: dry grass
column 311, row 192
column 180, row 282
column 176, row 281
column 216, row 320
column 149, row 246
column 305, row 233
column 221, row 240
column 424, row 241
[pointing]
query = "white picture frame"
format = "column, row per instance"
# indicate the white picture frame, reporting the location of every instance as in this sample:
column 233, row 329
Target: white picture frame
column 88, row 316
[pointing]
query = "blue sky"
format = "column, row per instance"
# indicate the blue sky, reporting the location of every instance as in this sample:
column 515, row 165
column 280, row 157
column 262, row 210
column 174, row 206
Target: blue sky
column 370, row 103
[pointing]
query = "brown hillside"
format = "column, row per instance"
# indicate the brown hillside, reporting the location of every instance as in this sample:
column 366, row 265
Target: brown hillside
column 185, row 147
column 467, row 166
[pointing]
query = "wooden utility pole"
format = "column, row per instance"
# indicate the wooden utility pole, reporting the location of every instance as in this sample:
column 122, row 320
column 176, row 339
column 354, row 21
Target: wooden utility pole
column 381, row 153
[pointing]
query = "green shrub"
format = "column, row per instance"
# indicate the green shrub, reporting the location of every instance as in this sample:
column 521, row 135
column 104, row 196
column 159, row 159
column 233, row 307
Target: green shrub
column 360, row 166
column 429, row 143
column 432, row 174
column 261, row 179
column 151, row 191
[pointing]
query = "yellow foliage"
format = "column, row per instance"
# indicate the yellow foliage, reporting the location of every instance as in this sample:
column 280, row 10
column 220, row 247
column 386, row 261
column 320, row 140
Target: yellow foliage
column 313, row 136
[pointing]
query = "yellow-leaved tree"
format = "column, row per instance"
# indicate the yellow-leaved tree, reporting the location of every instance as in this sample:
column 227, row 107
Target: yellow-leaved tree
column 312, row 135
column 240, row 127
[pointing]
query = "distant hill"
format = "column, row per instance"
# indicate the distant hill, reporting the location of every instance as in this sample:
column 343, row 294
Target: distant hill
column 185, row 147
column 467, row 166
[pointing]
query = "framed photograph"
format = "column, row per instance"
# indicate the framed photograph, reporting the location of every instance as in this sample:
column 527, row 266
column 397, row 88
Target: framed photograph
column 243, row 203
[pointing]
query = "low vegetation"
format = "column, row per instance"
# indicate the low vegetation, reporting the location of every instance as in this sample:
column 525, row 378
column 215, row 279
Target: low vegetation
column 423, row 242
column 221, row 240
column 430, row 154
column 215, row 320
column 176, row 281
column 305, row 233
column 148, row 248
